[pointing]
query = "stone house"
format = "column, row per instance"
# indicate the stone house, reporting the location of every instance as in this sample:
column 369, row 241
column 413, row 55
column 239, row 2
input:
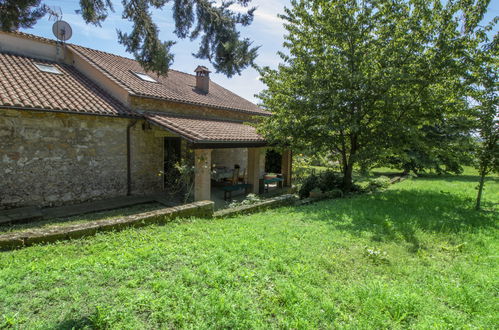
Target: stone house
column 78, row 124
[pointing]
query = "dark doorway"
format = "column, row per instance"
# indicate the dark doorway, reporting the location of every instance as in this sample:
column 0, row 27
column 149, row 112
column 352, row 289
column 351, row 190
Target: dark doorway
column 172, row 157
column 273, row 161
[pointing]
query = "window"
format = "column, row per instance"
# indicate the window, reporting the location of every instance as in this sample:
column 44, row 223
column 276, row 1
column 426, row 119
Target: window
column 143, row 76
column 47, row 68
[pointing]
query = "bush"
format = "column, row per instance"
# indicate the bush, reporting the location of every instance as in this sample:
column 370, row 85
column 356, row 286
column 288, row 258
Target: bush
column 331, row 183
column 335, row 193
column 249, row 200
column 379, row 183
column 330, row 180
column 325, row 181
column 309, row 183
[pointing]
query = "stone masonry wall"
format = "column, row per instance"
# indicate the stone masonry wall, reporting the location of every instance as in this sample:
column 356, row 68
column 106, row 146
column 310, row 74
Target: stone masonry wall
column 146, row 159
column 51, row 159
column 229, row 157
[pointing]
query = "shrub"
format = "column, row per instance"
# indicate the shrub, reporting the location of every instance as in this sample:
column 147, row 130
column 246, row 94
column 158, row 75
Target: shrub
column 330, row 180
column 379, row 183
column 249, row 200
column 325, row 181
column 331, row 183
column 309, row 183
column 335, row 193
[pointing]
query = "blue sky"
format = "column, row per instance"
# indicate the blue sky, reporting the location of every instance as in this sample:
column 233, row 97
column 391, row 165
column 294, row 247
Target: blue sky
column 266, row 31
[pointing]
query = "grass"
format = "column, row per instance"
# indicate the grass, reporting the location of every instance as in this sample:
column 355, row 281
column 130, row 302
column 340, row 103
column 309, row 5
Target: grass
column 414, row 256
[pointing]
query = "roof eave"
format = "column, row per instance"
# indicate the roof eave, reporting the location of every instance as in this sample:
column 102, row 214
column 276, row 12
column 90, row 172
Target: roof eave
column 228, row 144
column 210, row 144
column 166, row 99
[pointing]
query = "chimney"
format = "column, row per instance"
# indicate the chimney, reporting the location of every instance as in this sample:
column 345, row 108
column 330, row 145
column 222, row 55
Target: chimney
column 202, row 79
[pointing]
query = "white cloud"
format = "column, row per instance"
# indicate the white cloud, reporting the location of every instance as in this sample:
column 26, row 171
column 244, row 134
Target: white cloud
column 265, row 15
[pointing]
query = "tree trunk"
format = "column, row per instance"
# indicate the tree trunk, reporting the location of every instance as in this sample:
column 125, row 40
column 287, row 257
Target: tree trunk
column 347, row 177
column 480, row 190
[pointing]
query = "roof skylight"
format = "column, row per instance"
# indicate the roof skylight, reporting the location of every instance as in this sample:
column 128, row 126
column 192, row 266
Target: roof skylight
column 47, row 68
column 144, row 76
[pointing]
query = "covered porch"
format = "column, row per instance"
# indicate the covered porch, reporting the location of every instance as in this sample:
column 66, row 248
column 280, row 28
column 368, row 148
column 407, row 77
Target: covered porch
column 228, row 156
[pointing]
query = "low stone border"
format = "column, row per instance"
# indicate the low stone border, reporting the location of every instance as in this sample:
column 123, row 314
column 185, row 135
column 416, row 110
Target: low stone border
column 253, row 208
column 203, row 209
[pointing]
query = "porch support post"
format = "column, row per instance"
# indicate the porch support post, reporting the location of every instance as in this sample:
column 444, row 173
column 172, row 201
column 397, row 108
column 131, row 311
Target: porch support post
column 256, row 158
column 286, row 166
column 202, row 174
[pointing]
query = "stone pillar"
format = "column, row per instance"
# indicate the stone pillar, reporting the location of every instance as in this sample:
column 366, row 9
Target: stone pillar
column 202, row 174
column 255, row 170
column 286, row 166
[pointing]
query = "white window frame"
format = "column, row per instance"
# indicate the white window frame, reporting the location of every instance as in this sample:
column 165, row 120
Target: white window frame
column 48, row 68
column 144, row 77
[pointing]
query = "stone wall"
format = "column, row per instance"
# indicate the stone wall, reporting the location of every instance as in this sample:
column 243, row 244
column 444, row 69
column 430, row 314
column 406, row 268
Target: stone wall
column 51, row 159
column 229, row 157
column 146, row 159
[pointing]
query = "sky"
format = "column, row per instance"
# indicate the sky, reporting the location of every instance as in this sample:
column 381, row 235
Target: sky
column 266, row 31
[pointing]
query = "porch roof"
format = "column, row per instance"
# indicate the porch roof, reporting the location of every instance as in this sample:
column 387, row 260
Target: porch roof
column 208, row 133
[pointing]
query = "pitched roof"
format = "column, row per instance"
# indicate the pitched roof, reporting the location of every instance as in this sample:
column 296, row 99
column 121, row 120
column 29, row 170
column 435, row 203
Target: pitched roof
column 176, row 86
column 199, row 130
column 23, row 85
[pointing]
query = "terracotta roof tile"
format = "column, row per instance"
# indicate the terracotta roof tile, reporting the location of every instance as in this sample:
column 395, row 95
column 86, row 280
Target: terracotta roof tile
column 22, row 84
column 200, row 130
column 177, row 86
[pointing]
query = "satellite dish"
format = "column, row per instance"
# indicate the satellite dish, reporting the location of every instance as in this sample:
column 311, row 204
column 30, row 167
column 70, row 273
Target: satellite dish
column 62, row 30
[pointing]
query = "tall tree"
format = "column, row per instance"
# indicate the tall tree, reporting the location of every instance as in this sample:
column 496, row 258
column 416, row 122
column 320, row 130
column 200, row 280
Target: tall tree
column 361, row 76
column 216, row 26
column 484, row 94
column 445, row 145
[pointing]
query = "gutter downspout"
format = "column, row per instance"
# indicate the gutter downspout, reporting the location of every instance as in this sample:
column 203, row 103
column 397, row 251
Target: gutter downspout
column 128, row 158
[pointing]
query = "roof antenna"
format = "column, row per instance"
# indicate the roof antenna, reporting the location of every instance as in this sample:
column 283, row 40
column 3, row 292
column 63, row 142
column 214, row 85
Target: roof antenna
column 61, row 29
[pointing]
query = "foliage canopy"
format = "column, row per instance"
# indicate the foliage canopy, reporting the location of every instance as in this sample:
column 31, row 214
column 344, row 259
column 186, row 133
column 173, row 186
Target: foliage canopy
column 362, row 77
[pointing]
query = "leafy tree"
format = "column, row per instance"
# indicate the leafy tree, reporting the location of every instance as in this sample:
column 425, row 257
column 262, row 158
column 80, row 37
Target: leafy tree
column 216, row 26
column 359, row 77
column 444, row 146
column 484, row 92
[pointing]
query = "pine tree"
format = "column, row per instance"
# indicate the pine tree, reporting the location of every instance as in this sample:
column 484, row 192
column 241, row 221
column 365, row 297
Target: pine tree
column 215, row 25
column 15, row 14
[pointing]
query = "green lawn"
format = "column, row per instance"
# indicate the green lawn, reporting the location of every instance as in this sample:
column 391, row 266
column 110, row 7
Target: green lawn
column 414, row 256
